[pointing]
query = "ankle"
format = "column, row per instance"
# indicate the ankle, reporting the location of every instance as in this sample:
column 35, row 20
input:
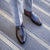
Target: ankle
column 27, row 12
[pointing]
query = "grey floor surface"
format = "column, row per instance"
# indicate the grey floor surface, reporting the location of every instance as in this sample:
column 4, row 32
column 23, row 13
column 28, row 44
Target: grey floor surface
column 43, row 33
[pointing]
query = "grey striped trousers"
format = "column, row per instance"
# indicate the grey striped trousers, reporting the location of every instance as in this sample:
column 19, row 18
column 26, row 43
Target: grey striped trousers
column 17, row 7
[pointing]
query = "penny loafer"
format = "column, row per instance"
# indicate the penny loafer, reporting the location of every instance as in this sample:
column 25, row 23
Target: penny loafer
column 34, row 18
column 20, row 34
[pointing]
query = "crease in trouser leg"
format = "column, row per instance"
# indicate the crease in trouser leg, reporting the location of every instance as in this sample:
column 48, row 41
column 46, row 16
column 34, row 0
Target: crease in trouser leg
column 17, row 10
column 28, row 5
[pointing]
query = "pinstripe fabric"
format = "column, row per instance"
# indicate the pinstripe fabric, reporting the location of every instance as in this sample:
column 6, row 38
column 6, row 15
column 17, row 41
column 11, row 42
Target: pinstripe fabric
column 28, row 5
column 17, row 9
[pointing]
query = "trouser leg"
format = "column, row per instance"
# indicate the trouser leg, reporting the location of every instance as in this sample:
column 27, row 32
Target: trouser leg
column 17, row 10
column 28, row 5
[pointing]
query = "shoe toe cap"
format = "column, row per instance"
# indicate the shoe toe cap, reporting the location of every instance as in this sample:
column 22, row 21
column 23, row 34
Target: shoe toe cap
column 39, row 23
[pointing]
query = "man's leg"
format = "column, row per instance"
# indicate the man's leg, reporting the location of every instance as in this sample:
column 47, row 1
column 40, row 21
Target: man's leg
column 17, row 10
column 17, row 7
column 28, row 5
column 28, row 12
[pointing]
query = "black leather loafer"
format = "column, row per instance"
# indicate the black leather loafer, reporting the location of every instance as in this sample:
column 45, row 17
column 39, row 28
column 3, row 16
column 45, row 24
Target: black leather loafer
column 34, row 18
column 20, row 34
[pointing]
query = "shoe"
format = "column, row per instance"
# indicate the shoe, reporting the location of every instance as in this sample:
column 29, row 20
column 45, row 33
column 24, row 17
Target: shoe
column 20, row 34
column 34, row 18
